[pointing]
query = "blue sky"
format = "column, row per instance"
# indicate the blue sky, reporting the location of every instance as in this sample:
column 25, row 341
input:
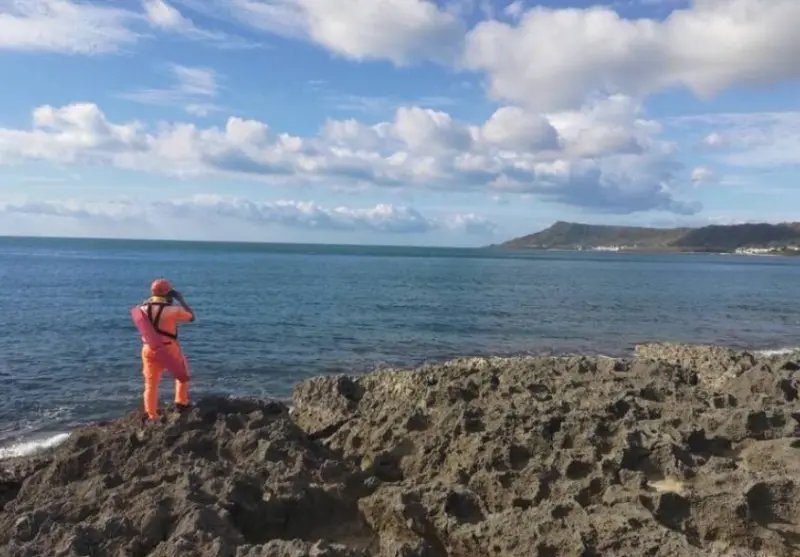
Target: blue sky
column 458, row 122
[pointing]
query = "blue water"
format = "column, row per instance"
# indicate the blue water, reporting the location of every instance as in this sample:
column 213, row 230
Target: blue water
column 270, row 315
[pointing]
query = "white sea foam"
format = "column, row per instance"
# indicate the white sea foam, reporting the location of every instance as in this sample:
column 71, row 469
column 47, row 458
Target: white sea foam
column 778, row 351
column 32, row 446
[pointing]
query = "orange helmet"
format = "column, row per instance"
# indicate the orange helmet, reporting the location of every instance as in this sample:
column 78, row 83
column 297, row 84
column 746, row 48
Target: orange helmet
column 160, row 287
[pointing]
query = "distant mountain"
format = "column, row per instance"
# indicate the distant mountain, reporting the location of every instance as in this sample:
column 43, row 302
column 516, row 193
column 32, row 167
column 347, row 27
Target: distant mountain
column 716, row 238
column 731, row 237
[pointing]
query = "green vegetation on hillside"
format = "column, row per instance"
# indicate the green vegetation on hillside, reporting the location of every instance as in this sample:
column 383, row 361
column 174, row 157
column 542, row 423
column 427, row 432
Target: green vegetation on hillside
column 567, row 235
column 716, row 238
column 728, row 238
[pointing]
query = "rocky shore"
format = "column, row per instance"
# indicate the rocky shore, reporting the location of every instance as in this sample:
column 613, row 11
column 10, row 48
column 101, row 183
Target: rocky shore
column 677, row 451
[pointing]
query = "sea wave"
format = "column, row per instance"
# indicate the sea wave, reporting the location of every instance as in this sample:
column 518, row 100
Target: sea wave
column 778, row 351
column 29, row 447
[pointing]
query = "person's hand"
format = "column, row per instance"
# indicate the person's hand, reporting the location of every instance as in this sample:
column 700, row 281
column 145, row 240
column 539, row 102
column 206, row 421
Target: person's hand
column 182, row 302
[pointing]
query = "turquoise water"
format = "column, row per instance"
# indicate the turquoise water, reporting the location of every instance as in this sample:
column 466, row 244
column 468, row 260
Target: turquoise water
column 270, row 315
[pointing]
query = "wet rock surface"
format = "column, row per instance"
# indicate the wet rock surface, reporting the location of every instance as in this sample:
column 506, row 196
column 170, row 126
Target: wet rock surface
column 679, row 451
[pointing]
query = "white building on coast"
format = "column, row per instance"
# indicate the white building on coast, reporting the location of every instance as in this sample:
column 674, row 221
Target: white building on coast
column 766, row 251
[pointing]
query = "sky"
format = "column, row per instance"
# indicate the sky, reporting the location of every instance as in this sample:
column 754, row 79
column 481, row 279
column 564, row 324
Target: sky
column 395, row 122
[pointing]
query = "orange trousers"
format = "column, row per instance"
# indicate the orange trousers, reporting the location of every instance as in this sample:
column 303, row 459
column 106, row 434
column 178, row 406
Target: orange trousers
column 152, row 371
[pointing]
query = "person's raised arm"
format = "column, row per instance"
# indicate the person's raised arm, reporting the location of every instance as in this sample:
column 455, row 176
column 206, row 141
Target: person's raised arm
column 179, row 298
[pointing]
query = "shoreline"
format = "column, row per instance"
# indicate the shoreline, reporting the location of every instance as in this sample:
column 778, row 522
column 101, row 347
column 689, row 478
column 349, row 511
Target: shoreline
column 659, row 454
column 644, row 251
column 470, row 249
column 44, row 439
column 678, row 451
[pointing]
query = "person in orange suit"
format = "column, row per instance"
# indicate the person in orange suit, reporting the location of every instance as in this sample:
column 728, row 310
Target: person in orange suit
column 165, row 318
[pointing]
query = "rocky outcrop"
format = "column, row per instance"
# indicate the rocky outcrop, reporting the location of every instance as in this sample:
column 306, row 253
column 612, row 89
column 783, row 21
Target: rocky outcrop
column 680, row 451
column 230, row 477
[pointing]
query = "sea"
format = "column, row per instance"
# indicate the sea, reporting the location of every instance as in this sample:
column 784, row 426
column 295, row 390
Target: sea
column 270, row 315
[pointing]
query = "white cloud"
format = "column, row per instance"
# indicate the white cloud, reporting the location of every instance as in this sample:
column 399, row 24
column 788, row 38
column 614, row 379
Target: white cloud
column 85, row 27
column 166, row 17
column 606, row 126
column 197, row 81
column 403, row 31
column 106, row 212
column 281, row 17
column 714, row 139
column 554, row 59
column 751, row 139
column 471, row 223
column 703, row 175
column 65, row 26
column 514, row 10
column 398, row 30
column 545, row 59
column 557, row 157
column 510, row 127
column 66, row 134
column 664, row 4
column 372, row 104
column 382, row 218
column 193, row 90
column 162, row 15
column 423, row 131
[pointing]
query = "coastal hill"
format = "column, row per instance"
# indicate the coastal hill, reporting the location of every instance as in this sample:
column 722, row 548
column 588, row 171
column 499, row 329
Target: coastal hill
column 757, row 237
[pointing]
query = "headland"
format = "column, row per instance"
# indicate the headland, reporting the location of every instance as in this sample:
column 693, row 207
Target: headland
column 744, row 239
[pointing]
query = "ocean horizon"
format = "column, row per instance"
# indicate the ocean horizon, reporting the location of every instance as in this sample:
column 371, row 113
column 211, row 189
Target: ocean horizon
column 272, row 314
column 248, row 242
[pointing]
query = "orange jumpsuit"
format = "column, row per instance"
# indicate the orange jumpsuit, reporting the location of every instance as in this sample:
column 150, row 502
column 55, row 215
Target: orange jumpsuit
column 168, row 322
